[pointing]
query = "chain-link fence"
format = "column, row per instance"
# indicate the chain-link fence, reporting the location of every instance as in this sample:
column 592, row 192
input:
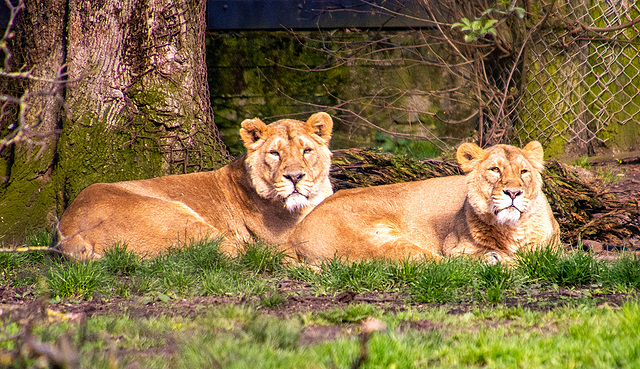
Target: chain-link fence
column 584, row 78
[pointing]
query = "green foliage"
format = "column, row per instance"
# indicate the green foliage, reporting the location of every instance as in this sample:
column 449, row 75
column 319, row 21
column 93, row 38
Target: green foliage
column 481, row 27
column 583, row 162
column 476, row 29
column 403, row 146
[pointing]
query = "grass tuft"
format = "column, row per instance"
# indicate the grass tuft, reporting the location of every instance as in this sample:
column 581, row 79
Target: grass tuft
column 583, row 162
column 232, row 283
column 265, row 330
column 261, row 258
column 407, row 271
column 201, row 255
column 355, row 313
column 76, row 279
column 539, row 265
column 494, row 281
column 118, row 260
column 443, row 281
column 554, row 266
column 362, row 276
column 21, row 267
column 624, row 273
column 41, row 238
column 272, row 299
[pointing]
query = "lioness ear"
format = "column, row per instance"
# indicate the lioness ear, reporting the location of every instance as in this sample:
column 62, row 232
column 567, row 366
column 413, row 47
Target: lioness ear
column 468, row 155
column 252, row 130
column 534, row 152
column 320, row 124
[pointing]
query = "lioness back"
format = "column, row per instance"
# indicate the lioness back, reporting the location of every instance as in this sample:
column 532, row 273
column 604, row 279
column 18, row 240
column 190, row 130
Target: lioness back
column 389, row 221
column 263, row 194
column 495, row 210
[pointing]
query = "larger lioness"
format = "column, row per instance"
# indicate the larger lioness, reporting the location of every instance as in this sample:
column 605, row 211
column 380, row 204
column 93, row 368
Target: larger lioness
column 495, row 210
column 263, row 194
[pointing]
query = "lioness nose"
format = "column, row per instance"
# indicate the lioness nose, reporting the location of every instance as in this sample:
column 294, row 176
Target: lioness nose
column 512, row 193
column 294, row 177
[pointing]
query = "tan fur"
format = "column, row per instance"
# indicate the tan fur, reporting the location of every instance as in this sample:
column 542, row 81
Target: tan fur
column 263, row 194
column 438, row 217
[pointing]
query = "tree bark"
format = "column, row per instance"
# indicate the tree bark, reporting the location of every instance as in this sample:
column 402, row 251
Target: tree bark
column 133, row 104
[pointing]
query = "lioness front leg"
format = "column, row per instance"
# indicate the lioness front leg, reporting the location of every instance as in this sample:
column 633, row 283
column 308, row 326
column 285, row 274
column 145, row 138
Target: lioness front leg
column 454, row 246
column 493, row 258
column 457, row 247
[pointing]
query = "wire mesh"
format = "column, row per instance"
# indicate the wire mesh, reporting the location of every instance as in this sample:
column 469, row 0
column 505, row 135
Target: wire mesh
column 582, row 79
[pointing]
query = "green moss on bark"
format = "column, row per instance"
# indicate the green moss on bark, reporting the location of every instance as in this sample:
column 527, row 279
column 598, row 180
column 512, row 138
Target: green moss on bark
column 91, row 152
column 27, row 203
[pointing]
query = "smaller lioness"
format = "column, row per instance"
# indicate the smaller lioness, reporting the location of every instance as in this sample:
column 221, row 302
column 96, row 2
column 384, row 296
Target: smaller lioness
column 263, row 194
column 495, row 210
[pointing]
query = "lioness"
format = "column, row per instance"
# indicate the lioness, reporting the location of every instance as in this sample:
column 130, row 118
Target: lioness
column 263, row 194
column 495, row 210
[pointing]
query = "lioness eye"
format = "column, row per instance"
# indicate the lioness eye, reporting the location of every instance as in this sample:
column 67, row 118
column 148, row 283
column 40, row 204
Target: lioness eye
column 306, row 151
column 524, row 171
column 274, row 153
column 495, row 169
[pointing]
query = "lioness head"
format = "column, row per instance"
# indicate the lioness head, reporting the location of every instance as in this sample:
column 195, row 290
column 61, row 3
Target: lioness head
column 289, row 160
column 503, row 181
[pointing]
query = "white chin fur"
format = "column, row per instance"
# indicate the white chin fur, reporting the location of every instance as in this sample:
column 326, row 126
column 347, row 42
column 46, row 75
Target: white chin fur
column 508, row 216
column 296, row 202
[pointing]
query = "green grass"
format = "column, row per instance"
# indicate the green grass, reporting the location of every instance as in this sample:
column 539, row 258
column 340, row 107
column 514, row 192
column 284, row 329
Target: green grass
column 199, row 269
column 363, row 276
column 447, row 281
column 608, row 176
column 76, row 279
column 553, row 266
column 573, row 330
column 241, row 337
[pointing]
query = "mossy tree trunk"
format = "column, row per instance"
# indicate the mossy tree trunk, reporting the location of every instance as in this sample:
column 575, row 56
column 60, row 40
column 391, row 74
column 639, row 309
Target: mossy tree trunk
column 130, row 101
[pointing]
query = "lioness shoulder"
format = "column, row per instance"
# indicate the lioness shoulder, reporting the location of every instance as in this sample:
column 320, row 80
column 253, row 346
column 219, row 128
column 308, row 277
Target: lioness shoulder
column 496, row 209
column 263, row 194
